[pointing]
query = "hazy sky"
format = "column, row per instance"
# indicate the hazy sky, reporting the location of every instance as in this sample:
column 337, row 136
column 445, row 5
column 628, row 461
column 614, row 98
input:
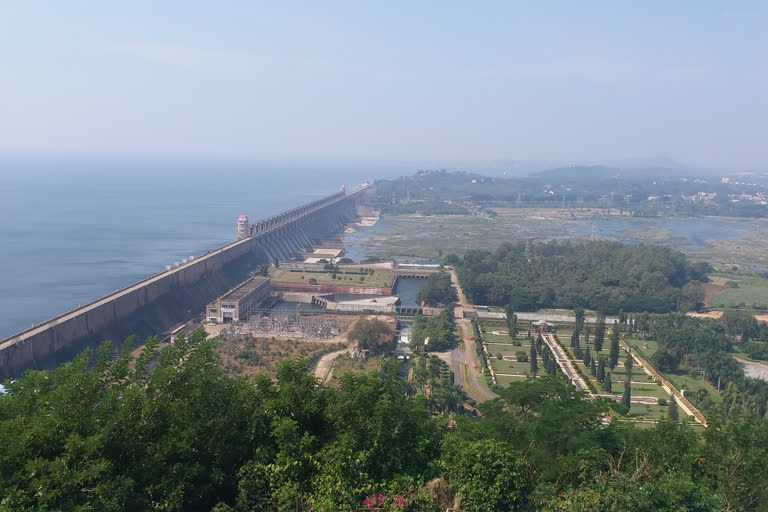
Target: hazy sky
column 387, row 80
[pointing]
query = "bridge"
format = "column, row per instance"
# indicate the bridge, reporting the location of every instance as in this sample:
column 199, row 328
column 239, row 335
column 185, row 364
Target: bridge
column 409, row 310
column 156, row 304
column 420, row 274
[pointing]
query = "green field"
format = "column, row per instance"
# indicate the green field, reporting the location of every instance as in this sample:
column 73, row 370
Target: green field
column 381, row 278
column 510, row 367
column 683, row 380
column 639, row 345
column 506, row 349
column 504, row 380
column 752, row 291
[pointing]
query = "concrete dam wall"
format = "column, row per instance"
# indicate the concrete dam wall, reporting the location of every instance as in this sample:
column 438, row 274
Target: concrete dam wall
column 154, row 305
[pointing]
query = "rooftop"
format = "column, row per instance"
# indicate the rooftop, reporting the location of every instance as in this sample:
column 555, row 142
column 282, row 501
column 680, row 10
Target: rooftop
column 243, row 289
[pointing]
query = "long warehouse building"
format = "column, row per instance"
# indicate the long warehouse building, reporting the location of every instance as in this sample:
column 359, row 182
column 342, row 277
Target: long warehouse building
column 236, row 305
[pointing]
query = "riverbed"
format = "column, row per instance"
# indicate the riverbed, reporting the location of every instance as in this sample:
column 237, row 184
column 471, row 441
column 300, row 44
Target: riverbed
column 724, row 242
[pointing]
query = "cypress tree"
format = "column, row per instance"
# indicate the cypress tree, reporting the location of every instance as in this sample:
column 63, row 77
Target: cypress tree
column 539, row 342
column 600, row 332
column 614, row 354
column 608, row 383
column 552, row 366
column 673, row 412
column 630, row 362
column 579, row 319
column 534, row 361
column 511, row 318
column 627, row 397
column 587, row 357
column 545, row 359
column 576, row 344
column 601, row 370
column 593, row 368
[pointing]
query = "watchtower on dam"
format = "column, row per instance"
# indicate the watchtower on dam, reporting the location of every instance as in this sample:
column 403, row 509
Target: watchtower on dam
column 159, row 302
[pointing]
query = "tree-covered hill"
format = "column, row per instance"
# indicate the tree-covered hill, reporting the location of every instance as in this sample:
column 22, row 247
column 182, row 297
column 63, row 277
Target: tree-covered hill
column 172, row 432
column 605, row 276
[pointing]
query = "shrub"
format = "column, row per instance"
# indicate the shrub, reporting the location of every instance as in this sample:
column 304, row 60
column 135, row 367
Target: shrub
column 312, row 280
column 521, row 356
column 662, row 401
column 499, row 355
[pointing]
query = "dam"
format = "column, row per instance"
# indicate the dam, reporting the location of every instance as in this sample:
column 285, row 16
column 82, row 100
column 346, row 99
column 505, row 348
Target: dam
column 154, row 305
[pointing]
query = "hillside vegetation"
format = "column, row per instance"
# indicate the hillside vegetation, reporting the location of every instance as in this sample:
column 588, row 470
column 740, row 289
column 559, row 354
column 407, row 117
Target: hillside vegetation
column 186, row 436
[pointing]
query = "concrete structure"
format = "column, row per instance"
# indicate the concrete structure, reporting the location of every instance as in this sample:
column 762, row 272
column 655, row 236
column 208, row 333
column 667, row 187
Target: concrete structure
column 159, row 302
column 236, row 305
column 243, row 229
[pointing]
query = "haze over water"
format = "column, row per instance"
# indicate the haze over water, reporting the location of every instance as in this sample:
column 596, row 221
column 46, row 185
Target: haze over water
column 76, row 230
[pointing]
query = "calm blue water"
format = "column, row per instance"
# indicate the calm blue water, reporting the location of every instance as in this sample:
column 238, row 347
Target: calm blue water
column 72, row 230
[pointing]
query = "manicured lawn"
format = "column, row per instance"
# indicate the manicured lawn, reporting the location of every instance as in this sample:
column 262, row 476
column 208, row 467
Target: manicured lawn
column 501, row 338
column 504, row 380
column 507, row 349
column 511, row 367
column 655, row 412
column 381, row 278
column 639, row 346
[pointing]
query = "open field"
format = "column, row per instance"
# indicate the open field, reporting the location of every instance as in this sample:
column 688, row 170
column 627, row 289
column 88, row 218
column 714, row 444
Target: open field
column 263, row 355
column 381, row 278
column 752, row 291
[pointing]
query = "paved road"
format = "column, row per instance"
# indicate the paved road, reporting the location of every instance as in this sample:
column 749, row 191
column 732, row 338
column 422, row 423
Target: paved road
column 565, row 363
column 323, row 370
column 548, row 317
column 647, row 400
column 464, row 362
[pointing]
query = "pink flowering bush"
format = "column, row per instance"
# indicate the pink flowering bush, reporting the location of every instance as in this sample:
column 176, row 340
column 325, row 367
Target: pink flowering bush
column 398, row 502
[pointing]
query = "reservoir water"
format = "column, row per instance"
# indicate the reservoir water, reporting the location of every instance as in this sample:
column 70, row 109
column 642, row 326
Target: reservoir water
column 73, row 230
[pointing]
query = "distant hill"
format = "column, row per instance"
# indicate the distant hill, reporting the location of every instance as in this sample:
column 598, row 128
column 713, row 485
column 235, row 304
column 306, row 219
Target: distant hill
column 578, row 173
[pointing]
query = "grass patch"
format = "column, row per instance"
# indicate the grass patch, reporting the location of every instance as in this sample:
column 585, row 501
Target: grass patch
column 752, row 291
column 346, row 364
column 381, row 278
column 511, row 367
column 505, row 380
column 685, row 381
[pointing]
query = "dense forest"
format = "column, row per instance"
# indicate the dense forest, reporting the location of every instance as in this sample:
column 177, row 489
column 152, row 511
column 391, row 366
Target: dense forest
column 605, row 276
column 439, row 330
column 438, row 290
column 172, row 431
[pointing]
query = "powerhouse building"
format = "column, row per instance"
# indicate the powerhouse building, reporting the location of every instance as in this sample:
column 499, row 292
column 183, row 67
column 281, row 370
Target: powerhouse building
column 238, row 303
